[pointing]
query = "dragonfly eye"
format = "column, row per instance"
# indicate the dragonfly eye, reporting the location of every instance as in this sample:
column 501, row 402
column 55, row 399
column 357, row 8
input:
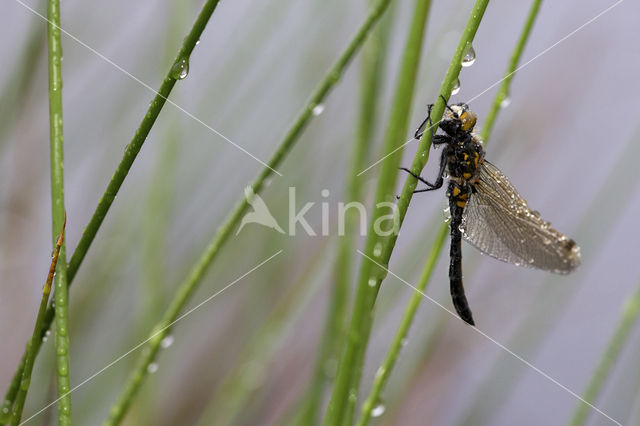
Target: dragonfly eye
column 468, row 120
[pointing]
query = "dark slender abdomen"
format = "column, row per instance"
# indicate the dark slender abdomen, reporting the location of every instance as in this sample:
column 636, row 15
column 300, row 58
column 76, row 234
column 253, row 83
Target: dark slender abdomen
column 455, row 265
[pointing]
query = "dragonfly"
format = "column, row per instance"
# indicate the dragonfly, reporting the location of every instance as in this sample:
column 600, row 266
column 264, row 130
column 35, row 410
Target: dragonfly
column 486, row 209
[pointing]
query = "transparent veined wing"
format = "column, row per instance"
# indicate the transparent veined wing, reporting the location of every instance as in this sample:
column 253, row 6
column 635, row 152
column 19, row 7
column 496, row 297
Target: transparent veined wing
column 498, row 221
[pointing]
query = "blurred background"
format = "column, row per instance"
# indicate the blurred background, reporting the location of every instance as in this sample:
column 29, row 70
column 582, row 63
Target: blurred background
column 569, row 141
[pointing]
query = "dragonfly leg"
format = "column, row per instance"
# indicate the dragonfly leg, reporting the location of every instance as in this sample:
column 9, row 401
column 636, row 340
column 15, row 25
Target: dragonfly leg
column 423, row 126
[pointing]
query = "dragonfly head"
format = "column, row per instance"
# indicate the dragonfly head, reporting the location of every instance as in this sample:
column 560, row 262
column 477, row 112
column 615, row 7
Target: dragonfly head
column 458, row 118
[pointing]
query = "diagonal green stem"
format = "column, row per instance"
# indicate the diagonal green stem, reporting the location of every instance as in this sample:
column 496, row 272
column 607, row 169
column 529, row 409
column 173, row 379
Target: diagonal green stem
column 37, row 332
column 139, row 138
column 627, row 320
column 503, row 92
column 57, row 212
column 120, row 174
column 382, row 375
column 191, row 282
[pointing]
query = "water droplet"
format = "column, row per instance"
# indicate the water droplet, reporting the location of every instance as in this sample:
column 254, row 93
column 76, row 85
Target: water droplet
column 505, row 102
column 456, row 88
column 377, row 250
column 45, row 338
column 378, row 410
column 152, row 368
column 5, row 410
column 404, row 342
column 197, row 42
column 24, row 383
column 446, row 214
column 469, row 57
column 167, row 341
column 318, row 109
column 372, row 282
column 180, row 69
column 47, row 333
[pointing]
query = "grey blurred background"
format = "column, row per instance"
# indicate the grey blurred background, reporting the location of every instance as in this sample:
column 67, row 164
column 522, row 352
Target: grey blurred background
column 568, row 141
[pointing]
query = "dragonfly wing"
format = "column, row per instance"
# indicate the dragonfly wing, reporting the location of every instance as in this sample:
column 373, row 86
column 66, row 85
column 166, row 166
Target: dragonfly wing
column 498, row 221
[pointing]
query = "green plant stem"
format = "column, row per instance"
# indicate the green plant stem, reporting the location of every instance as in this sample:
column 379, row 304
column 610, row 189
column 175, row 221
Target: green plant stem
column 373, row 54
column 382, row 375
column 60, row 294
column 37, row 332
column 503, row 91
column 118, row 177
column 195, row 276
column 627, row 320
column 365, row 298
column 348, row 376
column 389, row 362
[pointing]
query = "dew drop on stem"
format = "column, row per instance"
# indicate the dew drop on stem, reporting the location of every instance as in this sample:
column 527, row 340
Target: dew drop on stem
column 456, row 88
column 317, row 110
column 469, row 57
column 377, row 249
column 180, row 68
column 167, row 341
column 378, row 409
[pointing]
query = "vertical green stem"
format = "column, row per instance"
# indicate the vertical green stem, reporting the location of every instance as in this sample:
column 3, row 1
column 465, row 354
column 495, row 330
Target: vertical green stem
column 627, row 320
column 347, row 380
column 191, row 282
column 373, row 54
column 120, row 174
column 503, row 91
column 57, row 211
